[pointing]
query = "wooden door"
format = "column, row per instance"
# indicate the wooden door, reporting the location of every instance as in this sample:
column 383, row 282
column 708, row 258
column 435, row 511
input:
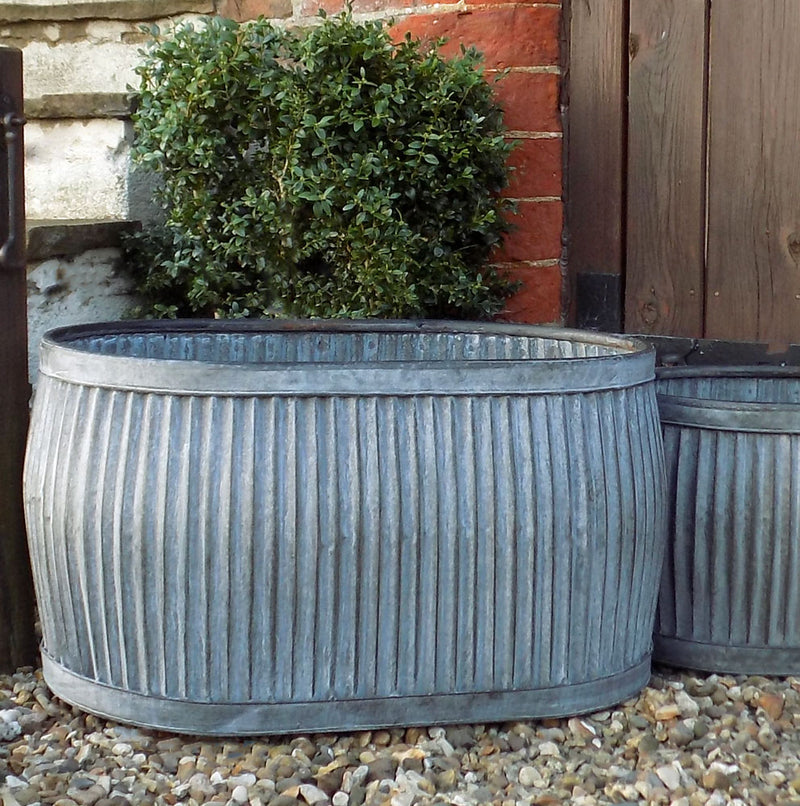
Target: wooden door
column 664, row 290
column 710, row 194
column 753, row 260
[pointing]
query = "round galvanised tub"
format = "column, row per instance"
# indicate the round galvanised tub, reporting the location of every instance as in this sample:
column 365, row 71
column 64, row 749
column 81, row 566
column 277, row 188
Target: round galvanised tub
column 730, row 593
column 267, row 527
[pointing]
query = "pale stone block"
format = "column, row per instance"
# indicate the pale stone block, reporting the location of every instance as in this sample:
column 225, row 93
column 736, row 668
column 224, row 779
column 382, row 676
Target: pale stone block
column 77, row 169
column 79, row 67
column 90, row 287
column 109, row 30
column 36, row 10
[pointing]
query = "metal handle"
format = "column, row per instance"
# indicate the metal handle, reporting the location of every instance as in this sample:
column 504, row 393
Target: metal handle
column 10, row 123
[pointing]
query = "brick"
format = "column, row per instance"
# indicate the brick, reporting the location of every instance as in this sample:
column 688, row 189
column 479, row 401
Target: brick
column 309, row 8
column 537, row 169
column 539, row 299
column 241, row 10
column 536, row 233
column 530, row 101
column 517, row 36
column 517, row 2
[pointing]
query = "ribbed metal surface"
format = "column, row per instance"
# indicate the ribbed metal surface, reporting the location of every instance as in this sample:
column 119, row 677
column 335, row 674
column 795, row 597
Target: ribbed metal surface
column 449, row 552
column 730, row 594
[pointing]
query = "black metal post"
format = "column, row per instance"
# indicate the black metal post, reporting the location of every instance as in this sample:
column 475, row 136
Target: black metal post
column 17, row 638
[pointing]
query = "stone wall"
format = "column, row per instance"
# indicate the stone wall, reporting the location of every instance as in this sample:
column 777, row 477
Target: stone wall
column 81, row 193
column 79, row 63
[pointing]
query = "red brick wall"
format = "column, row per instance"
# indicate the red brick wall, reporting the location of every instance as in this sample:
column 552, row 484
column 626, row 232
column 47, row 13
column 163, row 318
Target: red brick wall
column 523, row 38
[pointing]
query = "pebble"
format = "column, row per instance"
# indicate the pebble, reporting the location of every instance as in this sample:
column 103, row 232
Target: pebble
column 772, row 704
column 10, row 727
column 239, row 794
column 666, row 712
column 529, row 776
column 312, row 794
column 687, row 706
column 681, row 734
column 686, row 740
column 670, row 776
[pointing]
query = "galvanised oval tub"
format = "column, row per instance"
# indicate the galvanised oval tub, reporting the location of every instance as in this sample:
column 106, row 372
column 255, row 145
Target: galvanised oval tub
column 730, row 594
column 260, row 527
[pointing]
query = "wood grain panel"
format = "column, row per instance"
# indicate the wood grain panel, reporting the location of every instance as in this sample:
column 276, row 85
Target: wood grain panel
column 754, row 172
column 666, row 167
column 595, row 135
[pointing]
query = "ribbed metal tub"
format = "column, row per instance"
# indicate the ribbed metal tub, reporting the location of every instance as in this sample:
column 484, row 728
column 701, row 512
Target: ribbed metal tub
column 256, row 527
column 730, row 593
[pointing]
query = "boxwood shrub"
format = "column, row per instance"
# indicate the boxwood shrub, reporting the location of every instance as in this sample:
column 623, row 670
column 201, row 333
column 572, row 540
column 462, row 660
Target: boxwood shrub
column 322, row 172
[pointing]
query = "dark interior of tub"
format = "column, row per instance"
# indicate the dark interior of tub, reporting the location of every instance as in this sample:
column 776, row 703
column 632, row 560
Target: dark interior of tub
column 226, row 347
column 759, row 385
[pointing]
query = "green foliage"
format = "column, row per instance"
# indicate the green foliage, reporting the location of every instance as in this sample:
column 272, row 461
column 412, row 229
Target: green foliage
column 326, row 172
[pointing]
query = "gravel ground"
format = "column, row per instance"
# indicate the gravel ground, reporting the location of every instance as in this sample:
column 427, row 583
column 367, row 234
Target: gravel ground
column 686, row 740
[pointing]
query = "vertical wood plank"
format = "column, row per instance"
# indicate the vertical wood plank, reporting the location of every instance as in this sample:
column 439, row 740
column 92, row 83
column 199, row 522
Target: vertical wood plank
column 17, row 640
column 666, row 167
column 595, row 147
column 754, row 172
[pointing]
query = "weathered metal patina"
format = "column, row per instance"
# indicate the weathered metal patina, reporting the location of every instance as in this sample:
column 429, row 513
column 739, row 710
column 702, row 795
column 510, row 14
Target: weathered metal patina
column 266, row 527
column 730, row 595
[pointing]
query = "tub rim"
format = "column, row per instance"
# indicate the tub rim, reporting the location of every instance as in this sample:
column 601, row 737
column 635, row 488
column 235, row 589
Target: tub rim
column 697, row 411
column 633, row 365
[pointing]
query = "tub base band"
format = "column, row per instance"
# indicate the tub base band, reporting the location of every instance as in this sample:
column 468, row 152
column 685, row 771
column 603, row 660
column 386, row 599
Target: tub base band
column 257, row 718
column 727, row 659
